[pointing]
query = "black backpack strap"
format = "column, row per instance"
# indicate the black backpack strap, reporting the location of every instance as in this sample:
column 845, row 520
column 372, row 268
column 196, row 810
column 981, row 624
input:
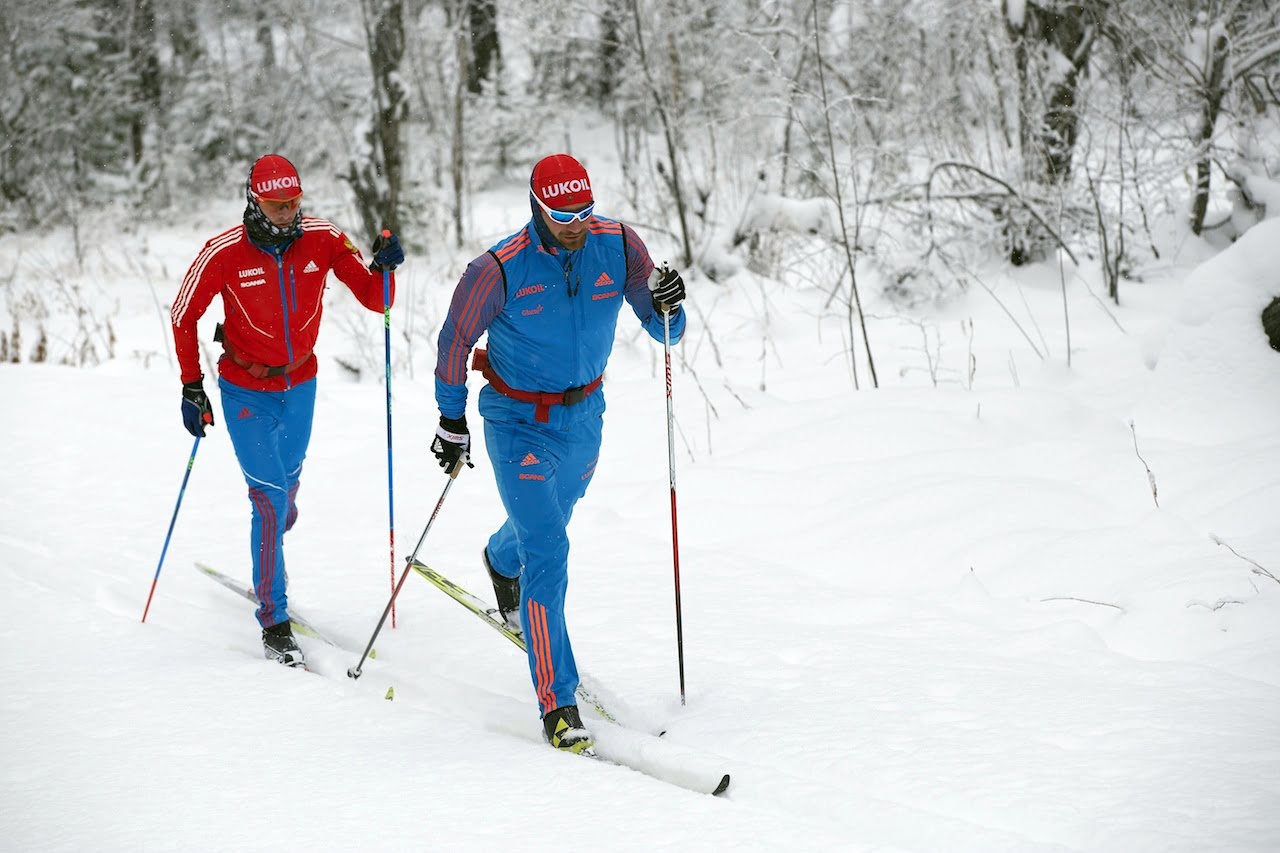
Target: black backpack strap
column 502, row 270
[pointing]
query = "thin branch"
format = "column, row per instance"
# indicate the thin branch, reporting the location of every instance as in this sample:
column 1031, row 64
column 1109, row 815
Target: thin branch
column 1217, row 605
column 1257, row 568
column 844, row 232
column 1003, row 307
column 1035, row 214
column 1083, row 601
column 667, row 132
column 1151, row 478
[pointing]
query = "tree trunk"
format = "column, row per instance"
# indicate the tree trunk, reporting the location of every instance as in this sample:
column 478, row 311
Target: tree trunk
column 457, row 163
column 610, row 54
column 145, row 61
column 377, row 184
column 1213, row 90
column 1050, row 120
column 1052, row 44
column 1073, row 33
column 265, row 40
column 486, row 53
column 184, row 34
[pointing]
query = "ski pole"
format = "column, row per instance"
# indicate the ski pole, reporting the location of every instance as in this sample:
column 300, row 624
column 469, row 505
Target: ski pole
column 186, row 475
column 671, row 477
column 355, row 671
column 391, row 501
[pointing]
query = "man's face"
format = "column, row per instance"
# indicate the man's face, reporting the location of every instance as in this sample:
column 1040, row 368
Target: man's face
column 280, row 213
column 573, row 235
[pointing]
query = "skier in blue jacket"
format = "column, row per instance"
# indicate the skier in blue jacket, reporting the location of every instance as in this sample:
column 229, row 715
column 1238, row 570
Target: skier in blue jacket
column 549, row 297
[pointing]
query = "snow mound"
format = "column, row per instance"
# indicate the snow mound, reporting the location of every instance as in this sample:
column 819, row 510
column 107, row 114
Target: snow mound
column 1218, row 379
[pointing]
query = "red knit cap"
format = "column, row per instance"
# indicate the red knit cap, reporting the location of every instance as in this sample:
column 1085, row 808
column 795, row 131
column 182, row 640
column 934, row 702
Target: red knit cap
column 560, row 181
column 273, row 178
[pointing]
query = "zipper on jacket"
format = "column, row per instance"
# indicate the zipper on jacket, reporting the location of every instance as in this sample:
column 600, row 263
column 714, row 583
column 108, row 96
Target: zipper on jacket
column 284, row 308
column 575, row 310
column 572, row 286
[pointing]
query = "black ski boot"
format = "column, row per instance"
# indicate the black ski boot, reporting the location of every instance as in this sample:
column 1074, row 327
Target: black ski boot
column 278, row 645
column 507, row 591
column 563, row 729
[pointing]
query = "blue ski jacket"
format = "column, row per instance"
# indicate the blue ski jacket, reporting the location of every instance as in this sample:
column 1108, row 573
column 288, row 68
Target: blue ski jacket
column 550, row 313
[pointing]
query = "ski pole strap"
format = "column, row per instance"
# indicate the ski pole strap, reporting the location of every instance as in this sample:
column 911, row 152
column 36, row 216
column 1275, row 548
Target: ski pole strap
column 542, row 400
column 256, row 370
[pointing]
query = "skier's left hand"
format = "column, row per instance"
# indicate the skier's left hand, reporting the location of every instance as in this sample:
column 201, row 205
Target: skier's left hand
column 452, row 442
column 387, row 253
column 667, row 289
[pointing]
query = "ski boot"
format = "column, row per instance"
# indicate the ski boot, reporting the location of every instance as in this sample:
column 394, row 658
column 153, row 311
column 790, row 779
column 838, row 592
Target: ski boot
column 563, row 729
column 278, row 645
column 507, row 592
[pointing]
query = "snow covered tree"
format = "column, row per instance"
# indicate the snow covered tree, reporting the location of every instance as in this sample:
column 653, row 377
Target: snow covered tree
column 144, row 62
column 1219, row 59
column 376, row 170
column 78, row 88
column 1053, row 42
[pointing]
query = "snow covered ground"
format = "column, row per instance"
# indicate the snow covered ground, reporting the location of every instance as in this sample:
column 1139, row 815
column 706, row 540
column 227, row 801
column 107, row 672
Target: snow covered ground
column 920, row 618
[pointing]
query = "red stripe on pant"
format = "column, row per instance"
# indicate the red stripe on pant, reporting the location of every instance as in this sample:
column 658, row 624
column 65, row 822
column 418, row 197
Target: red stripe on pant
column 541, row 645
column 291, row 515
column 266, row 553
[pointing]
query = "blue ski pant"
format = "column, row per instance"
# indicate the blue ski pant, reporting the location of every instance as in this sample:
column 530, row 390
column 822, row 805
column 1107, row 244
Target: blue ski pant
column 541, row 472
column 270, row 431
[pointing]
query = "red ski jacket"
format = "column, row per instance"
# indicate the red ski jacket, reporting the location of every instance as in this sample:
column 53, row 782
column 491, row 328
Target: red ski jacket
column 272, row 302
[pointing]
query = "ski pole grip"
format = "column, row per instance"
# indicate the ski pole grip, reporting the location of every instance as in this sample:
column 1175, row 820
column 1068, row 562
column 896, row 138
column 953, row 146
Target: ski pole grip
column 458, row 465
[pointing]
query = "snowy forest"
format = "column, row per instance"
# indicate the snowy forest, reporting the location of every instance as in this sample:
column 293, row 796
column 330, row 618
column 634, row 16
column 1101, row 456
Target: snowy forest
column 889, row 144
column 975, row 422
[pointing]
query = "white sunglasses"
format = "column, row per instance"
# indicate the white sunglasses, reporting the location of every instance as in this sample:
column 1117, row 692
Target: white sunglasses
column 565, row 217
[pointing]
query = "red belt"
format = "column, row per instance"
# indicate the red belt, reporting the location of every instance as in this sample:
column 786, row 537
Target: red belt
column 258, row 371
column 542, row 400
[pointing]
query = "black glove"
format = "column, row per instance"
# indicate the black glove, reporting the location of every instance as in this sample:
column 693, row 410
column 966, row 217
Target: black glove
column 452, row 442
column 387, row 253
column 668, row 291
column 1271, row 323
column 196, row 411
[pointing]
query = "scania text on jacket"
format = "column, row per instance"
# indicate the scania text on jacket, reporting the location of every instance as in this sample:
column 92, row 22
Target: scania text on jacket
column 272, row 300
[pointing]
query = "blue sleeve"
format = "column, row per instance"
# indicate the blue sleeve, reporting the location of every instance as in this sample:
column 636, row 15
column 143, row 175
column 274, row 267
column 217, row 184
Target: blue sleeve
column 477, row 300
column 639, row 268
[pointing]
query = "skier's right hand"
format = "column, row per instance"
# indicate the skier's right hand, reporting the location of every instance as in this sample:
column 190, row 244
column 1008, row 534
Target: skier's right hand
column 667, row 289
column 452, row 442
column 196, row 411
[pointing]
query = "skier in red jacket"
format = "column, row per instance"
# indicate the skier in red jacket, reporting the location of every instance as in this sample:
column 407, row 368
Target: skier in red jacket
column 270, row 272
